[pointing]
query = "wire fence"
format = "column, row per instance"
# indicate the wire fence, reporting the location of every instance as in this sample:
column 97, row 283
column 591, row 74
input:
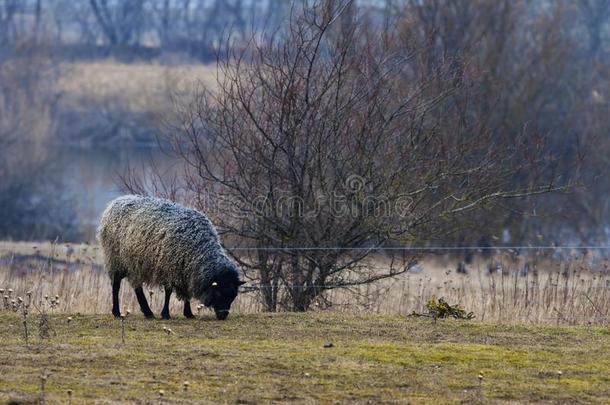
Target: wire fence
column 418, row 248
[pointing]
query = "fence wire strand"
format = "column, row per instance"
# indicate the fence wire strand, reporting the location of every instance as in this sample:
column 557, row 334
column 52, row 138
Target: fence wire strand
column 418, row 248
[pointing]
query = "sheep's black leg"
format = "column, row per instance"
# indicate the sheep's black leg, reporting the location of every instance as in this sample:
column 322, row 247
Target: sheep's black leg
column 187, row 309
column 165, row 312
column 143, row 303
column 116, row 287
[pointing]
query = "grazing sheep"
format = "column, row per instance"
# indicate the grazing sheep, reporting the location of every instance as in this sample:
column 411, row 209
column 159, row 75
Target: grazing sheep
column 160, row 243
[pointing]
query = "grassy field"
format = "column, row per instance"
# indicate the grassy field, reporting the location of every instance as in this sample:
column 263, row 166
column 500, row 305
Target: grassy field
column 278, row 358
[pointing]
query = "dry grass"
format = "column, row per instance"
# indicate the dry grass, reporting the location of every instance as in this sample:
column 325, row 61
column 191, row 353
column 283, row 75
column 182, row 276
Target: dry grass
column 136, row 87
column 563, row 293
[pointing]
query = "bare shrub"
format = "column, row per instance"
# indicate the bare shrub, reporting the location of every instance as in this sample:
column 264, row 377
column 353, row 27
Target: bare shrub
column 323, row 143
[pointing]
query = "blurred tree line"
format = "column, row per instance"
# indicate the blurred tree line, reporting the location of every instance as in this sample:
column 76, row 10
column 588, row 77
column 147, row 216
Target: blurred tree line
column 137, row 28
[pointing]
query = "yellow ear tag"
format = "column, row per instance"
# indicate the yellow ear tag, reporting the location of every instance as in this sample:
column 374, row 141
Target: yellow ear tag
column 214, row 284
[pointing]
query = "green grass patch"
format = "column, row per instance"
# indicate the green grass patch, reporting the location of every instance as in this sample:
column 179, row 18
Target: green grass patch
column 270, row 358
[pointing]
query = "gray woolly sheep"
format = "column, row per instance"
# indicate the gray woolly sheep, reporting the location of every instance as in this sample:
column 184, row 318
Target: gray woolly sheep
column 160, row 243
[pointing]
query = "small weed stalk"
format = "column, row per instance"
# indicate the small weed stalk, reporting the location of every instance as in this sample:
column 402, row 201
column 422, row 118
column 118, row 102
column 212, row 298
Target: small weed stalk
column 4, row 299
column 43, row 381
column 26, row 334
column 44, row 325
column 54, row 303
column 123, row 328
column 123, row 321
column 18, row 304
column 8, row 302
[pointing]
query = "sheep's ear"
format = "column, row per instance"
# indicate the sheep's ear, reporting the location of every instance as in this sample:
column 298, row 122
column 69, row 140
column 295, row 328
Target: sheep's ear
column 214, row 284
column 241, row 282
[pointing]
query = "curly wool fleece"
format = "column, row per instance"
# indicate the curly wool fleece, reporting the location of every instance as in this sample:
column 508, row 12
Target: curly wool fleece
column 160, row 243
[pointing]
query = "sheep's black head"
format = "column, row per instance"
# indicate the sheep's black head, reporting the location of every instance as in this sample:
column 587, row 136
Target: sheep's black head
column 221, row 292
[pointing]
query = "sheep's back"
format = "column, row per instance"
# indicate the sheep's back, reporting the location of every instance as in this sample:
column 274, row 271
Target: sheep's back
column 155, row 241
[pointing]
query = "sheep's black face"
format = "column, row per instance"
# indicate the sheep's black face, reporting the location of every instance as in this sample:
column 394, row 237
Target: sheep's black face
column 220, row 295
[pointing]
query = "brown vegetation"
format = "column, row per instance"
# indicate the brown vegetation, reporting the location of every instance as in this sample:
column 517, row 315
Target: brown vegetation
column 571, row 291
column 134, row 87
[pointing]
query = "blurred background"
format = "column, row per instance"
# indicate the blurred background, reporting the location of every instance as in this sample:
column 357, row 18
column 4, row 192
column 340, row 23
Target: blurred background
column 491, row 115
column 87, row 87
